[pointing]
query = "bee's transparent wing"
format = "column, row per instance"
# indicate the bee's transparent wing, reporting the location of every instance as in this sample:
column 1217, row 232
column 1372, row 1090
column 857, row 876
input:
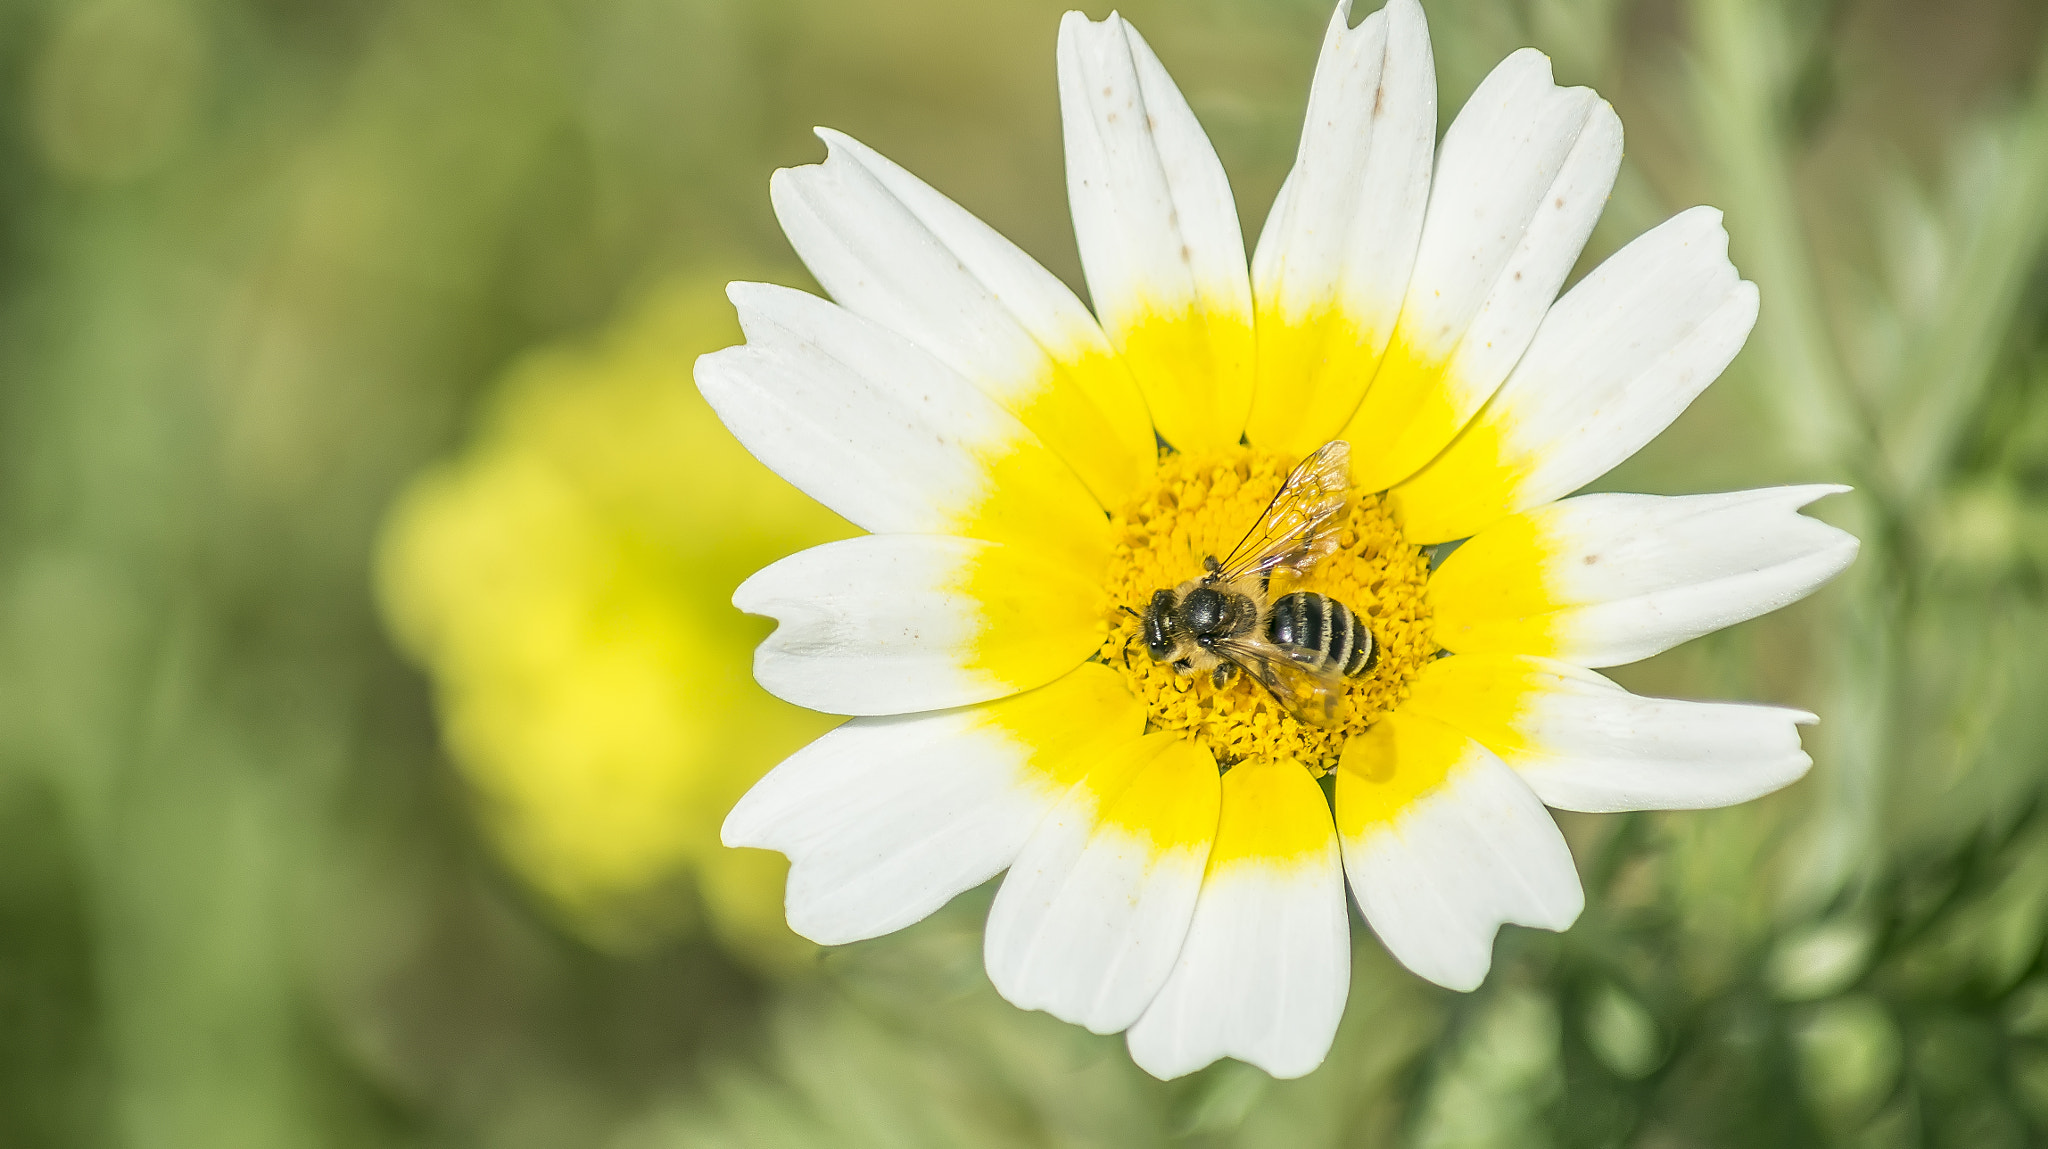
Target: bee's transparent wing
column 1317, row 699
column 1299, row 527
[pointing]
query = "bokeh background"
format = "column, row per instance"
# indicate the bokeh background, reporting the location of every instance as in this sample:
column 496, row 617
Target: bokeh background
column 369, row 695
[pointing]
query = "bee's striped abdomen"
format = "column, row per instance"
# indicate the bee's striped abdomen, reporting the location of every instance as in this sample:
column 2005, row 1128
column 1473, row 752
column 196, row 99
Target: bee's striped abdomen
column 1320, row 632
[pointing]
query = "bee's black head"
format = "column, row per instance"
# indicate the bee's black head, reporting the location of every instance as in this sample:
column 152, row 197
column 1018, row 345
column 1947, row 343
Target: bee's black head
column 1158, row 626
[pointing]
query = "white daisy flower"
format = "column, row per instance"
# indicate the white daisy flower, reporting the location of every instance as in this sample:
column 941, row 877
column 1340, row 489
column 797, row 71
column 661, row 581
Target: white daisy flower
column 1175, row 868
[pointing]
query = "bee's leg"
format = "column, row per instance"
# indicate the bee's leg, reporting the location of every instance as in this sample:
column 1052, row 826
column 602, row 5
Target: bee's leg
column 1183, row 666
column 1221, row 676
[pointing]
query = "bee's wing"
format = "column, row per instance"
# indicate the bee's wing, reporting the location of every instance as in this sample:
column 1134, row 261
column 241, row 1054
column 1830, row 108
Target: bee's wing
column 1299, row 527
column 1317, row 699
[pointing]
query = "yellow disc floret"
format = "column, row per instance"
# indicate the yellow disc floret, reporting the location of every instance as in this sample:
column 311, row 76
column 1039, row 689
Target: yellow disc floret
column 1201, row 505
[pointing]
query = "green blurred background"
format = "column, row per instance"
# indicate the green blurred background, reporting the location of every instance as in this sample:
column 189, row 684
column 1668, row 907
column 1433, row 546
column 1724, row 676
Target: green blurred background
column 369, row 697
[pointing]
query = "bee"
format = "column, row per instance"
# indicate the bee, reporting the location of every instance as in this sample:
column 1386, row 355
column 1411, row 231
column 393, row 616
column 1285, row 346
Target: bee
column 1302, row 646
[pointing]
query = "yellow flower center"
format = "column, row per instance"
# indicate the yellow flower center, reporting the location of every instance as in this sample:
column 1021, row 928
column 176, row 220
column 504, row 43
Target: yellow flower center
column 1201, row 505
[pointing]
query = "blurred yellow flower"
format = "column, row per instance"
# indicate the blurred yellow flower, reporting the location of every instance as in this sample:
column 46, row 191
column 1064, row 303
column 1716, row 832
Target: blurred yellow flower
column 567, row 581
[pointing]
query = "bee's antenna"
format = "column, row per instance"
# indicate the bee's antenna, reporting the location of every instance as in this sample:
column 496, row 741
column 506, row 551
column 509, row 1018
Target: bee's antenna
column 1132, row 613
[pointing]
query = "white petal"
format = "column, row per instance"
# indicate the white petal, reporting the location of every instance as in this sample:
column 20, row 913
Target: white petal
column 1443, row 844
column 1523, row 175
column 1583, row 743
column 1618, row 358
column 1158, row 233
column 892, row 624
column 885, row 819
column 864, row 422
column 1266, row 966
column 888, row 247
column 1090, row 919
column 1334, row 259
column 1601, row 580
